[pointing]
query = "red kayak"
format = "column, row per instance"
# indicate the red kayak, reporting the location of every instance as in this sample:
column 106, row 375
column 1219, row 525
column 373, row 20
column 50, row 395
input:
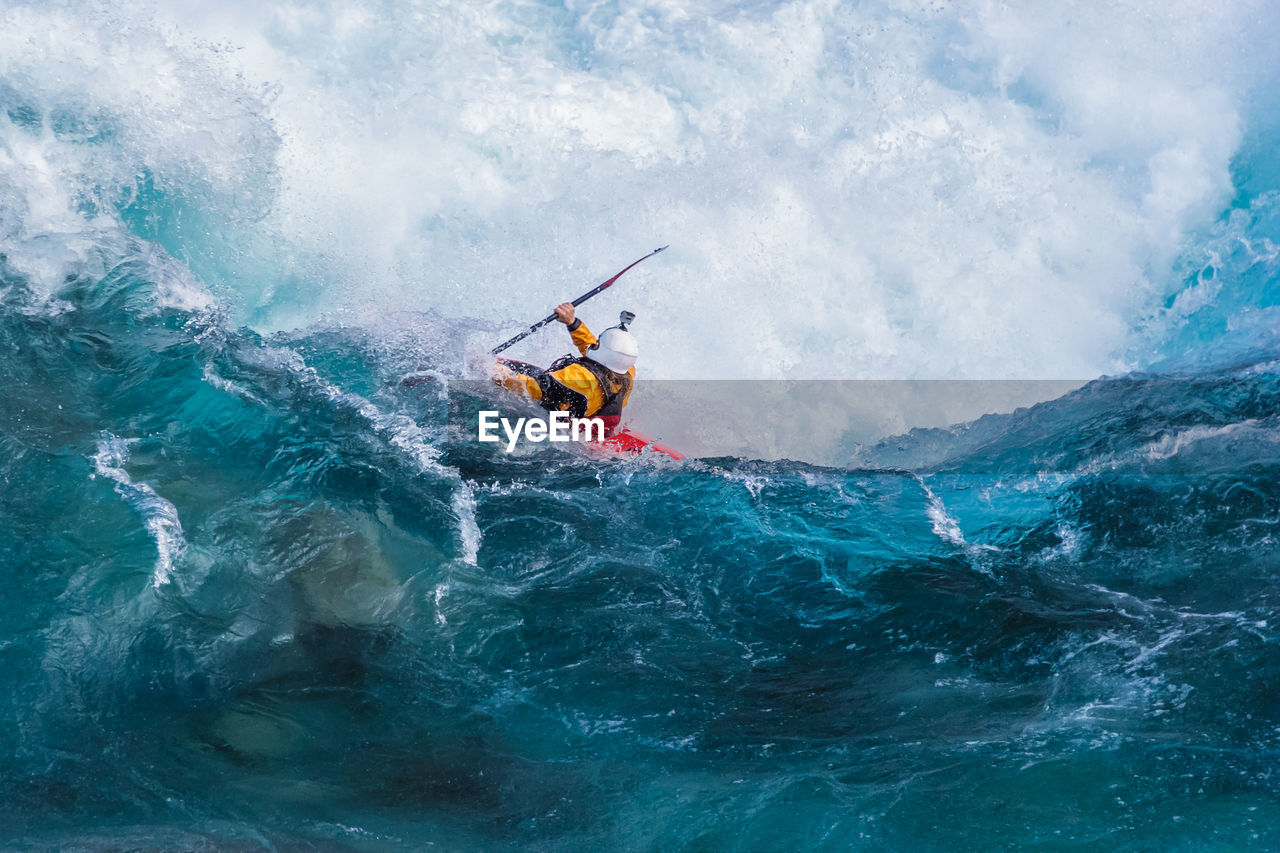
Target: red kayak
column 626, row 441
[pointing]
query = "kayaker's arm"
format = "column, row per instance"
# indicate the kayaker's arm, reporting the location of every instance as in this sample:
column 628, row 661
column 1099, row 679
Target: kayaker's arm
column 509, row 375
column 571, row 389
column 581, row 335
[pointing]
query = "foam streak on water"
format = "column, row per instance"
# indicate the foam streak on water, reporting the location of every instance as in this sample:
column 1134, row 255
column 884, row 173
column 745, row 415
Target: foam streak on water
column 158, row 515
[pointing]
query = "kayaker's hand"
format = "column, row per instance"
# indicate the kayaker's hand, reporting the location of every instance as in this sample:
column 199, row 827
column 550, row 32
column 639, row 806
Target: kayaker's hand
column 564, row 313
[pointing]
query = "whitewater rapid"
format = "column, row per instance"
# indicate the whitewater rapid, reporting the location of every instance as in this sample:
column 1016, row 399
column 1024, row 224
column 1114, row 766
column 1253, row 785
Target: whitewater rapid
column 259, row 592
column 892, row 190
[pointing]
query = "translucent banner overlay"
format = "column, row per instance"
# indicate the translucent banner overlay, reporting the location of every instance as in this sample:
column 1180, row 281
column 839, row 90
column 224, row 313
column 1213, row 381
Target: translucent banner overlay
column 824, row 422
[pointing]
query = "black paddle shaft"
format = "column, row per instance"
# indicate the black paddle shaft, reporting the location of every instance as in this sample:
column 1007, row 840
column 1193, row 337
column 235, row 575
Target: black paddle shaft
column 581, row 299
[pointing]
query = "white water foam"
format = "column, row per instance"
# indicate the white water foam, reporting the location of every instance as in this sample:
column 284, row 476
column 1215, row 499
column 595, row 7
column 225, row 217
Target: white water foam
column 943, row 524
column 892, row 189
column 464, row 507
column 159, row 517
column 101, row 111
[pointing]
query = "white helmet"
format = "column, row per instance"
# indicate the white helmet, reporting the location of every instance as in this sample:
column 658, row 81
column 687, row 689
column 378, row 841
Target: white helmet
column 616, row 348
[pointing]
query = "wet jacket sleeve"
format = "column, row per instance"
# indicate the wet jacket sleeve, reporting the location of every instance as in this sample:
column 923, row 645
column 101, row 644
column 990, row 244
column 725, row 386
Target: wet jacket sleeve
column 631, row 371
column 582, row 336
column 519, row 378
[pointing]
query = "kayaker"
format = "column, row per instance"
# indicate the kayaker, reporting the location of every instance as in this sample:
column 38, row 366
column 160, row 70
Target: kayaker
column 594, row 384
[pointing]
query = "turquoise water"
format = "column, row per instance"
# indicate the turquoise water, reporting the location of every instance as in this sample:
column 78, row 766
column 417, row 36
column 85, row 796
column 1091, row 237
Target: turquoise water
column 246, row 606
column 260, row 594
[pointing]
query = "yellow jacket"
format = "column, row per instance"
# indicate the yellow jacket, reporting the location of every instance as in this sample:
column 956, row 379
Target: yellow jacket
column 576, row 385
